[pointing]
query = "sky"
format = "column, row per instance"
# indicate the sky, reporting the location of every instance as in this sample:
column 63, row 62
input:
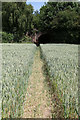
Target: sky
column 36, row 5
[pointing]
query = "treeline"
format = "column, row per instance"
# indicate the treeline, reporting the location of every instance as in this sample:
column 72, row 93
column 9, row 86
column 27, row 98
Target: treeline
column 16, row 21
column 59, row 22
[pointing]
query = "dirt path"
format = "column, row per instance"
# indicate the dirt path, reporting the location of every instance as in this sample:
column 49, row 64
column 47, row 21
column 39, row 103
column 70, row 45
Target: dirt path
column 38, row 100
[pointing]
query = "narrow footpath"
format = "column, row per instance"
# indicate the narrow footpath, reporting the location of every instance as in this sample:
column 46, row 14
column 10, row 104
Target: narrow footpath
column 38, row 100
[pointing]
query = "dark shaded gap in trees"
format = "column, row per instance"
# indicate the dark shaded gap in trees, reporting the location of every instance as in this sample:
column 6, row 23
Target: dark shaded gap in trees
column 60, row 36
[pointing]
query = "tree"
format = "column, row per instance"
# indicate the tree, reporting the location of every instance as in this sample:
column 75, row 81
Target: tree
column 16, row 18
column 61, row 19
column 36, row 19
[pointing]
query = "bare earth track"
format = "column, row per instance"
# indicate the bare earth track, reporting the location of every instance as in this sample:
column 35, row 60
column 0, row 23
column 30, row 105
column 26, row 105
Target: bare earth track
column 39, row 103
column 38, row 100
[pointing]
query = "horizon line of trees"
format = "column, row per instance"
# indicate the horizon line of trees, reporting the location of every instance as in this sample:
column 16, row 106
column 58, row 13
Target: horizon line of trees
column 60, row 21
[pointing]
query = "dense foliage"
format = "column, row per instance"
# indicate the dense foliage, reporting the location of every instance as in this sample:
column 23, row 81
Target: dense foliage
column 60, row 21
column 7, row 37
column 17, row 19
column 62, row 66
column 56, row 15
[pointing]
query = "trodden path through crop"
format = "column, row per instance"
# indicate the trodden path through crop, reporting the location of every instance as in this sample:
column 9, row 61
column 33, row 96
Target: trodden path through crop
column 38, row 101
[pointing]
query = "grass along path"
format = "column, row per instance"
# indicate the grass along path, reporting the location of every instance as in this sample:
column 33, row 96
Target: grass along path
column 38, row 102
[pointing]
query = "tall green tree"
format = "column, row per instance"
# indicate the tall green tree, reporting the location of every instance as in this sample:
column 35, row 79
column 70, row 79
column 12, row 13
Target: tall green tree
column 61, row 18
column 16, row 18
column 36, row 19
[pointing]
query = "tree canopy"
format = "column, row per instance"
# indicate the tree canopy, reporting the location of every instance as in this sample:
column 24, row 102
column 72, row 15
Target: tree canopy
column 17, row 18
column 55, row 15
column 61, row 21
column 58, row 20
